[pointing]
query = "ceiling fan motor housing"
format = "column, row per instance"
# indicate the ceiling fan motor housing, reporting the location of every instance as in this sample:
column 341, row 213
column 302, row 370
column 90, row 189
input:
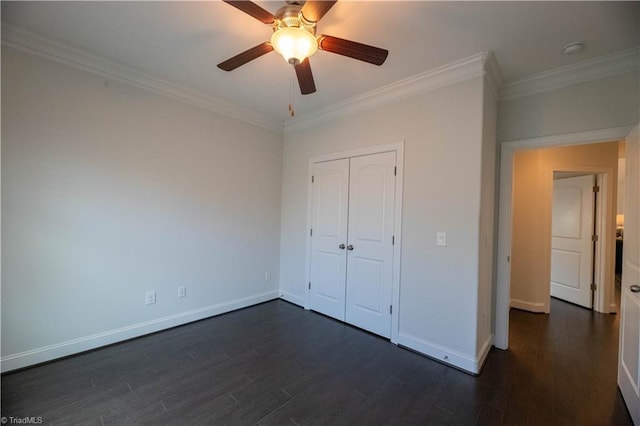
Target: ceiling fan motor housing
column 289, row 16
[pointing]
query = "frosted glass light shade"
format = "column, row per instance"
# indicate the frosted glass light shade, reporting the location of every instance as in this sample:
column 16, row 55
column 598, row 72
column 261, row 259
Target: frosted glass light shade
column 294, row 44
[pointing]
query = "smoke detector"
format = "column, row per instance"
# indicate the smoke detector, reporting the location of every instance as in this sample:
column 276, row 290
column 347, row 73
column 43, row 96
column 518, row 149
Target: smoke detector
column 572, row 48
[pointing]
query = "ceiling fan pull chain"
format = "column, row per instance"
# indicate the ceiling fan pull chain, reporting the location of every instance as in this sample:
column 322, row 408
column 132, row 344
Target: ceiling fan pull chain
column 291, row 110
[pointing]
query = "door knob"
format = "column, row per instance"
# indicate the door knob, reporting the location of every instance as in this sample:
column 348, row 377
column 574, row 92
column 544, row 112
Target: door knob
column 341, row 246
column 350, row 247
column 635, row 288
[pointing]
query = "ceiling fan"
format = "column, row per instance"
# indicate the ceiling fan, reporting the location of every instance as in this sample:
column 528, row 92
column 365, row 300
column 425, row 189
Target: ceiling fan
column 294, row 37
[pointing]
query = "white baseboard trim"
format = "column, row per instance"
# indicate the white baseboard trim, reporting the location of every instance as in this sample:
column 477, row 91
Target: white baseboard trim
column 484, row 351
column 293, row 298
column 443, row 354
column 527, row 306
column 70, row 347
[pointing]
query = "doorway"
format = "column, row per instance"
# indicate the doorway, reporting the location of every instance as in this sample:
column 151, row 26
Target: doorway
column 531, row 252
column 506, row 213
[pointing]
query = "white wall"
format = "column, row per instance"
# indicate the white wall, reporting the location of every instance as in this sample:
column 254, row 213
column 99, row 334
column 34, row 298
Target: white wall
column 605, row 103
column 109, row 191
column 442, row 130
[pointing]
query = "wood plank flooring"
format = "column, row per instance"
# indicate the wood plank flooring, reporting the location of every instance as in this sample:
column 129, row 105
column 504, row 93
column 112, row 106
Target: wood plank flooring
column 276, row 364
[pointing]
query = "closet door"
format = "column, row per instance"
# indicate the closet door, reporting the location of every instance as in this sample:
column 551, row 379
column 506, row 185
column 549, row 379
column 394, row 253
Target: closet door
column 330, row 200
column 370, row 247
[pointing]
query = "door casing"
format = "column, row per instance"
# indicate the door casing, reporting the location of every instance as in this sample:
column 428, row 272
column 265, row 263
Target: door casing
column 398, row 147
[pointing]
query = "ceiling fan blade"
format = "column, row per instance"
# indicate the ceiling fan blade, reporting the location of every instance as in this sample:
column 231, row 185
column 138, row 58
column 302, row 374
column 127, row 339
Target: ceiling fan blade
column 305, row 77
column 352, row 49
column 246, row 56
column 313, row 11
column 250, row 8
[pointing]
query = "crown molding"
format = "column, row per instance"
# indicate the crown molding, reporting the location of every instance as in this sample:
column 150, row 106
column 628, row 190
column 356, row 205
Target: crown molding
column 582, row 72
column 465, row 69
column 26, row 41
column 492, row 75
column 481, row 64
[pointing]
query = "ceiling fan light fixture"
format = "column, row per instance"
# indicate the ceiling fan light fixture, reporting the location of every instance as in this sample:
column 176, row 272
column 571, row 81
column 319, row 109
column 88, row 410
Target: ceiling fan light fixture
column 295, row 44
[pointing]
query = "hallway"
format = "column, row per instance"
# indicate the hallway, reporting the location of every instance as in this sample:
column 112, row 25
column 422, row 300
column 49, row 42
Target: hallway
column 560, row 368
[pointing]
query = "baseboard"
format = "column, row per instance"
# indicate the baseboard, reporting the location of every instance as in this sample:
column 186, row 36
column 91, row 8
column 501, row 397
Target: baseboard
column 295, row 299
column 527, row 306
column 484, row 352
column 71, row 347
column 445, row 355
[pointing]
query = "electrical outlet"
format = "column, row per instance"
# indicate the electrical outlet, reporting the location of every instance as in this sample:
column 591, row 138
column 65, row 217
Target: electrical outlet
column 267, row 276
column 182, row 291
column 151, row 297
column 441, row 239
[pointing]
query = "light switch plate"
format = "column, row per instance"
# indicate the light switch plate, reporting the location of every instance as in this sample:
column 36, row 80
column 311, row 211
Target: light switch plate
column 441, row 239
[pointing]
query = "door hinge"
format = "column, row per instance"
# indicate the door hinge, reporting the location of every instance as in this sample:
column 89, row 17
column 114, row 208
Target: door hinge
column 508, row 259
column 312, row 178
column 393, row 240
column 395, row 170
column 390, row 309
column 309, row 285
column 594, row 287
column 311, row 232
column 596, row 188
column 594, row 238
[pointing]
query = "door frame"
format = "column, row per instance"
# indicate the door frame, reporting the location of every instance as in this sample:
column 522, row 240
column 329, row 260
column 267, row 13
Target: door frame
column 507, row 152
column 398, row 148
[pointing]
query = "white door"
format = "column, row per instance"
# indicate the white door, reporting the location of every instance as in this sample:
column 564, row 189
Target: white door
column 370, row 245
column 628, row 354
column 330, row 202
column 571, row 243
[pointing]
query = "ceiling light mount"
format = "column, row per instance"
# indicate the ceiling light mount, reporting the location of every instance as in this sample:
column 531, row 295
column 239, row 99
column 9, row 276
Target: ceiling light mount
column 573, row 47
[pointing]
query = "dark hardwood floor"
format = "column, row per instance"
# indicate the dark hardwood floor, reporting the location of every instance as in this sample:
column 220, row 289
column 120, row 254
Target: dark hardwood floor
column 275, row 364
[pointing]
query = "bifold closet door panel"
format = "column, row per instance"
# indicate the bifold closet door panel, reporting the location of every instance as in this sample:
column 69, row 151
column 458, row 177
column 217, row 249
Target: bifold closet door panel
column 370, row 246
column 329, row 220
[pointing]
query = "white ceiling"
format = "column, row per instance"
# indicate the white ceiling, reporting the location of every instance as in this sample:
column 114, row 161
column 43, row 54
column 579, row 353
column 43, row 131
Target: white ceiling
column 181, row 42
